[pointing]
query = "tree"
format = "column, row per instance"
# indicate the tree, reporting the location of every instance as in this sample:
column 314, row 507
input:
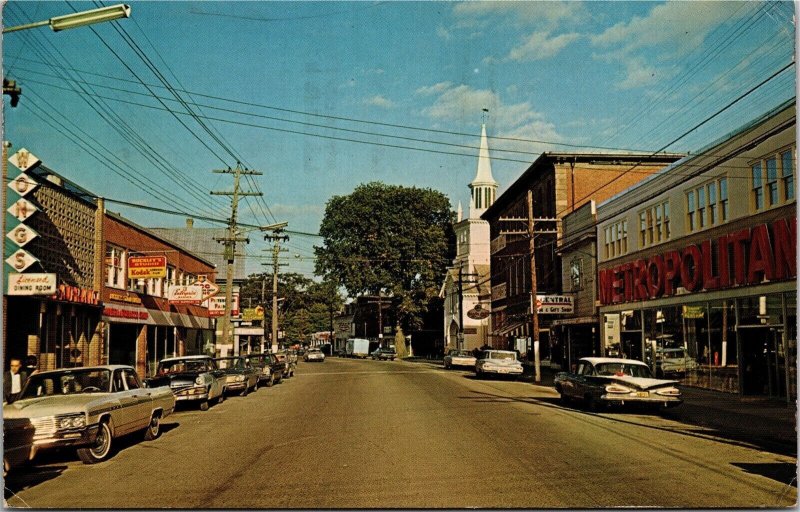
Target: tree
column 306, row 306
column 388, row 238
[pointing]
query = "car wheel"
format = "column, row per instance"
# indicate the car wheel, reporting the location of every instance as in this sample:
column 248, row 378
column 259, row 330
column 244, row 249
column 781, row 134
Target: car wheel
column 221, row 397
column 244, row 391
column 100, row 449
column 563, row 399
column 271, row 381
column 591, row 403
column 153, row 430
column 255, row 386
column 204, row 405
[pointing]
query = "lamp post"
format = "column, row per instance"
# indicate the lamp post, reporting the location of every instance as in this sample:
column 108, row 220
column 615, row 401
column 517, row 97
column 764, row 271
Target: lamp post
column 78, row 19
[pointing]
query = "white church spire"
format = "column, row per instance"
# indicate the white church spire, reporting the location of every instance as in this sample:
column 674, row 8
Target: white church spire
column 483, row 187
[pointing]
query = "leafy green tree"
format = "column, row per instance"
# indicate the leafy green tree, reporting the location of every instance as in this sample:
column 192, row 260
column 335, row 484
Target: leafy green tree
column 391, row 238
column 306, row 306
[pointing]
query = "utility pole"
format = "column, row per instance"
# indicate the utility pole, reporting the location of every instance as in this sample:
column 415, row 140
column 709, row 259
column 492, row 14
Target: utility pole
column 275, row 237
column 530, row 231
column 534, row 305
column 230, row 244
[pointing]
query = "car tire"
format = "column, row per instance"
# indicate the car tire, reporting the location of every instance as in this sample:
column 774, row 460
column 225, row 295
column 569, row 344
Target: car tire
column 221, row 397
column 255, row 386
column 591, row 403
column 244, row 391
column 101, row 449
column 153, row 430
column 271, row 381
column 562, row 398
column 204, row 405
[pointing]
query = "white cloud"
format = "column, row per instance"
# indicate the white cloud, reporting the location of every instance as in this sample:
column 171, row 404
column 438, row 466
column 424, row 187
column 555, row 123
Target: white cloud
column 379, row 101
column 540, row 46
column 434, row 89
column 443, row 33
column 459, row 102
column 550, row 13
column 677, row 26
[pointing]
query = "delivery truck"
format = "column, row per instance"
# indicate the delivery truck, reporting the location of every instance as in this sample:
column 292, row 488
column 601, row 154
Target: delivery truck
column 357, row 347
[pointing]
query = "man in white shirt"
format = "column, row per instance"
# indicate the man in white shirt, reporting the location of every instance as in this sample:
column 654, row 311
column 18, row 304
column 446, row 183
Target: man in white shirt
column 13, row 380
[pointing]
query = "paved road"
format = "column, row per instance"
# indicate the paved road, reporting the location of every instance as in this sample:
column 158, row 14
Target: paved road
column 363, row 434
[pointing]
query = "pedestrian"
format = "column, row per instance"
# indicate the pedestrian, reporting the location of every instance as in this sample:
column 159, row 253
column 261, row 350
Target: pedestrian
column 13, row 380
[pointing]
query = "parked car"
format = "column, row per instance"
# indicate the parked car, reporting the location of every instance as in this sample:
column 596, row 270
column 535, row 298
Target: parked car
column 192, row 379
column 88, row 407
column 385, row 354
column 269, row 369
column 340, row 352
column 314, row 354
column 240, row 375
column 289, row 365
column 674, row 362
column 605, row 380
column 457, row 357
column 498, row 362
column 17, row 442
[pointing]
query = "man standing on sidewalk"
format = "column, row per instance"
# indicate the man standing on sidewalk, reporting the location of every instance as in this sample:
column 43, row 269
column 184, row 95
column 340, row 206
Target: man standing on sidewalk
column 13, row 380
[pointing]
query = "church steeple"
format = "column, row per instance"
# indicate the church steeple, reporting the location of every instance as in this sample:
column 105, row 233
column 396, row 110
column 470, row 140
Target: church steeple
column 483, row 187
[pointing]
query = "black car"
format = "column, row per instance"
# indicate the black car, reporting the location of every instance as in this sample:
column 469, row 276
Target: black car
column 191, row 378
column 267, row 366
column 240, row 375
column 385, row 354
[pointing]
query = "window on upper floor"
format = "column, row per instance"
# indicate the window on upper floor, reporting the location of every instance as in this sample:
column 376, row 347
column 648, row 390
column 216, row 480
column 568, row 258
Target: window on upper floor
column 115, row 267
column 616, row 239
column 654, row 224
column 707, row 205
column 772, row 180
column 576, row 274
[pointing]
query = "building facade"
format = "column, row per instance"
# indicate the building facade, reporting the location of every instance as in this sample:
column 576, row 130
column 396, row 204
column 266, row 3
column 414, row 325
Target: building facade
column 558, row 183
column 466, row 284
column 142, row 325
column 697, row 264
column 579, row 331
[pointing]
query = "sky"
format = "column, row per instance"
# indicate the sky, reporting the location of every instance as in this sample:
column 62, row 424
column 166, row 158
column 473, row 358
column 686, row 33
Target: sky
column 320, row 97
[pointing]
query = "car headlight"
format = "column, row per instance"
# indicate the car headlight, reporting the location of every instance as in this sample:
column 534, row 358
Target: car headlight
column 240, row 378
column 78, row 421
column 618, row 388
column 673, row 391
column 199, row 381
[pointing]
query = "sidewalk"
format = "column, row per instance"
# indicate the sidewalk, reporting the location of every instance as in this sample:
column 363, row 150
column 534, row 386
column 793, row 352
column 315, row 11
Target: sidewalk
column 767, row 423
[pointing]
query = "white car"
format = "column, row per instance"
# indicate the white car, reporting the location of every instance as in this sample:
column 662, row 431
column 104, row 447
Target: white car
column 608, row 380
column 314, row 355
column 88, row 407
column 498, row 362
column 456, row 357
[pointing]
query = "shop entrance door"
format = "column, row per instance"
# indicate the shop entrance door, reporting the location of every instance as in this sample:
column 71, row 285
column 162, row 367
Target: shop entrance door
column 763, row 362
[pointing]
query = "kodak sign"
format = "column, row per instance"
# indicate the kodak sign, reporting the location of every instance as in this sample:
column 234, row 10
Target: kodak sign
column 745, row 257
column 146, row 267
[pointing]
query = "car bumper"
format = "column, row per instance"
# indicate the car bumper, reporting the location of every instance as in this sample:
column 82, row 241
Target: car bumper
column 502, row 371
column 236, row 385
column 189, row 394
column 652, row 399
column 72, row 437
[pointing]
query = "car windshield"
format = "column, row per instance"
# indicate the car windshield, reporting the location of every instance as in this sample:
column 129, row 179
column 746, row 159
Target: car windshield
column 501, row 355
column 620, row 369
column 230, row 363
column 462, row 353
column 68, row 382
column 181, row 365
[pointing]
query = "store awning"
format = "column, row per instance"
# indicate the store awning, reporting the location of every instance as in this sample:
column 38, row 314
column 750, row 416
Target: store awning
column 508, row 328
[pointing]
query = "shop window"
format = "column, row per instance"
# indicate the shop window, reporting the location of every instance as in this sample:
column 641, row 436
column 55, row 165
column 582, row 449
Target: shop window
column 616, row 239
column 701, row 207
column 723, row 198
column 712, row 203
column 576, row 273
column 707, row 205
column 787, row 172
column 772, row 181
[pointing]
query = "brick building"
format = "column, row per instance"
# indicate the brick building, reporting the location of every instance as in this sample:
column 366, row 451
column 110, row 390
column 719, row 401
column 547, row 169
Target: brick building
column 559, row 184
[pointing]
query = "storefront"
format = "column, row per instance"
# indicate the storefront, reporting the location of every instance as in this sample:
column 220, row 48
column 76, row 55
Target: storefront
column 698, row 276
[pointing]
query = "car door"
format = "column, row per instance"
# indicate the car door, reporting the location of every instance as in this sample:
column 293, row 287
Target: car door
column 142, row 400
column 122, row 416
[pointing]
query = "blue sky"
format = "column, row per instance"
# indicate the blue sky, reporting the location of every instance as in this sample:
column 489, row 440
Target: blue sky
column 323, row 96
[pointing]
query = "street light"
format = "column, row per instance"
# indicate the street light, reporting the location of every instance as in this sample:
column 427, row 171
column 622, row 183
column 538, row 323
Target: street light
column 78, row 19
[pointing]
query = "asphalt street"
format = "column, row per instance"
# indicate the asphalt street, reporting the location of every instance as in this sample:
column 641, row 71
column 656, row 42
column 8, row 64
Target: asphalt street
column 368, row 434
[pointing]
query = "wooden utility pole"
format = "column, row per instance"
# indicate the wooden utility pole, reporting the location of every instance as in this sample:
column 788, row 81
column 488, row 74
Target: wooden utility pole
column 534, row 306
column 229, row 242
column 275, row 237
column 461, row 275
